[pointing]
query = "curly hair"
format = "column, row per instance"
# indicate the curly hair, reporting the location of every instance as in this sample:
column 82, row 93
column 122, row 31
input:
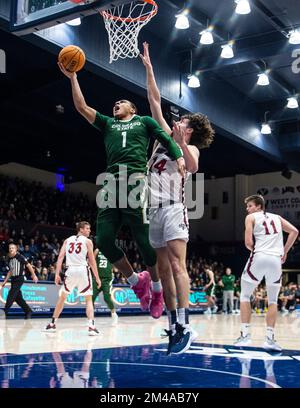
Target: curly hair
column 203, row 133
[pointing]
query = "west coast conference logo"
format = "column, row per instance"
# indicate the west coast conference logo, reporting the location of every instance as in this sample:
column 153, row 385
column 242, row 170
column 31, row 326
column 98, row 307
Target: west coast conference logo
column 124, row 297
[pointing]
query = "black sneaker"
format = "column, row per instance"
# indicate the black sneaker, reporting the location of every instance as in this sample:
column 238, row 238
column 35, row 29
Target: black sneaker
column 50, row 328
column 171, row 340
column 182, row 340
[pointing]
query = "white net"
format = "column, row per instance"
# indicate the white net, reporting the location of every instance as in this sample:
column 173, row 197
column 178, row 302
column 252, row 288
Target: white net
column 123, row 24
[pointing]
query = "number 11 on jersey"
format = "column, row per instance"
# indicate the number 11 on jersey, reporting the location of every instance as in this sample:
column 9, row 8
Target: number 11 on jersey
column 124, row 135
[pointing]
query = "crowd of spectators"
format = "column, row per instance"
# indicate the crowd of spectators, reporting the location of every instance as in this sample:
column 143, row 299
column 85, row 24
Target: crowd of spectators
column 32, row 202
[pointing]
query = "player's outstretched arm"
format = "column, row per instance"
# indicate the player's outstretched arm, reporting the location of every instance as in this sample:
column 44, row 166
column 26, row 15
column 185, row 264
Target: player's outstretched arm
column 92, row 262
column 293, row 234
column 153, row 91
column 60, row 259
column 249, row 223
column 86, row 111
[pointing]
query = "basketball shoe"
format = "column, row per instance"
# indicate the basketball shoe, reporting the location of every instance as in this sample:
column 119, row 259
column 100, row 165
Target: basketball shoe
column 271, row 345
column 157, row 304
column 243, row 340
column 50, row 328
column 93, row 331
column 142, row 290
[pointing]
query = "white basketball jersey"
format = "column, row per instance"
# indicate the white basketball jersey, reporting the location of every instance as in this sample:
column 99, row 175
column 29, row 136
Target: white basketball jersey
column 165, row 182
column 76, row 251
column 268, row 234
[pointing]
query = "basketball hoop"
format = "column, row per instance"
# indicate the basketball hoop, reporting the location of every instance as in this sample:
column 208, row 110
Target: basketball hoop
column 124, row 23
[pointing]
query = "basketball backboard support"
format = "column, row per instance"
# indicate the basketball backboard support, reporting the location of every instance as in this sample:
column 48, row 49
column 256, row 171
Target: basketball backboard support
column 28, row 16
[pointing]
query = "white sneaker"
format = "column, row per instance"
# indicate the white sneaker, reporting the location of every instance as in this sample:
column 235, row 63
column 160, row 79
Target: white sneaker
column 207, row 312
column 93, row 331
column 271, row 345
column 114, row 318
column 243, row 341
column 215, row 309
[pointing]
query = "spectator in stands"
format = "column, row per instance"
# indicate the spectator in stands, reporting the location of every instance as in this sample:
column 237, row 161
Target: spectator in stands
column 51, row 274
column 260, row 299
column 297, row 295
column 227, row 283
column 38, row 267
column 288, row 298
column 43, row 275
column 27, row 253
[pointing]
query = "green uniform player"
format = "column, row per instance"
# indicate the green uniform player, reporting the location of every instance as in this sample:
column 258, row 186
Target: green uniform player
column 126, row 138
column 106, row 275
column 126, row 145
column 209, row 288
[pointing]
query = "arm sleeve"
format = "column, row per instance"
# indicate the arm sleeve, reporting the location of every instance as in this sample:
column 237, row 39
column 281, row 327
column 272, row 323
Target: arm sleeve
column 158, row 133
column 100, row 121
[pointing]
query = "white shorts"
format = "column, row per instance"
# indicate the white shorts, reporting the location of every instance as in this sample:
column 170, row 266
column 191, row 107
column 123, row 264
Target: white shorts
column 261, row 266
column 167, row 224
column 78, row 277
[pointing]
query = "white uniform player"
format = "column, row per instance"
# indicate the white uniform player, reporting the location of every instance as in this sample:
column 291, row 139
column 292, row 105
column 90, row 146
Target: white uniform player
column 78, row 250
column 264, row 238
column 265, row 260
column 78, row 274
column 167, row 214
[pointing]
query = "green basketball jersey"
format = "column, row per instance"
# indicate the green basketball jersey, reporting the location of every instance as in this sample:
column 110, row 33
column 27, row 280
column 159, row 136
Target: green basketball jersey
column 104, row 266
column 126, row 142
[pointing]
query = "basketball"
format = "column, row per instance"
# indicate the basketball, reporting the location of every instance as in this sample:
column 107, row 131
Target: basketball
column 72, row 58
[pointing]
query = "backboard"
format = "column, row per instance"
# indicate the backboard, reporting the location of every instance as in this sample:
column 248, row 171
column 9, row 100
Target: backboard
column 28, row 16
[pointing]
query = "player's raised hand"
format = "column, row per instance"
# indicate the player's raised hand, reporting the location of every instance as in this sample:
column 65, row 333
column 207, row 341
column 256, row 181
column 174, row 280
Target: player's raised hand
column 68, row 74
column 146, row 57
column 57, row 280
column 181, row 166
column 178, row 133
column 35, row 279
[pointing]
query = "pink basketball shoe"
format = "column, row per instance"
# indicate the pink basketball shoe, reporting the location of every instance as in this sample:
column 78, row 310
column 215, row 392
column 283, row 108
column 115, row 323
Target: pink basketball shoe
column 142, row 290
column 157, row 304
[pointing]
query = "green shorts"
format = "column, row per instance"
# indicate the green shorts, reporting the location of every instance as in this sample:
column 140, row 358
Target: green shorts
column 210, row 291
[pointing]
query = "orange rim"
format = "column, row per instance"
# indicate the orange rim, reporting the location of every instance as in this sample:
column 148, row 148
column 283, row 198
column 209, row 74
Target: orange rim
column 105, row 14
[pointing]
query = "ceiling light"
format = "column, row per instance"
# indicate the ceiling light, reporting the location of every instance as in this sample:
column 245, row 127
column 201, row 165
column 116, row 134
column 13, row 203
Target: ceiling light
column 227, row 51
column 242, row 7
column 292, row 103
column 263, row 79
column 182, row 21
column 266, row 129
column 74, row 22
column 193, row 81
column 294, row 37
column 206, row 37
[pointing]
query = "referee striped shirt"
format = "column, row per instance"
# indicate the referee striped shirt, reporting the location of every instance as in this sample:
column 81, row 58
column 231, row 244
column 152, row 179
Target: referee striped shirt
column 16, row 265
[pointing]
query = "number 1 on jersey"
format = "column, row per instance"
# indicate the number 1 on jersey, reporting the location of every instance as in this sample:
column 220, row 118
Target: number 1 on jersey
column 124, row 135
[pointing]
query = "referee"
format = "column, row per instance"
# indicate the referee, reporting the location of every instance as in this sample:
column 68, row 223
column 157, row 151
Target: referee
column 15, row 266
